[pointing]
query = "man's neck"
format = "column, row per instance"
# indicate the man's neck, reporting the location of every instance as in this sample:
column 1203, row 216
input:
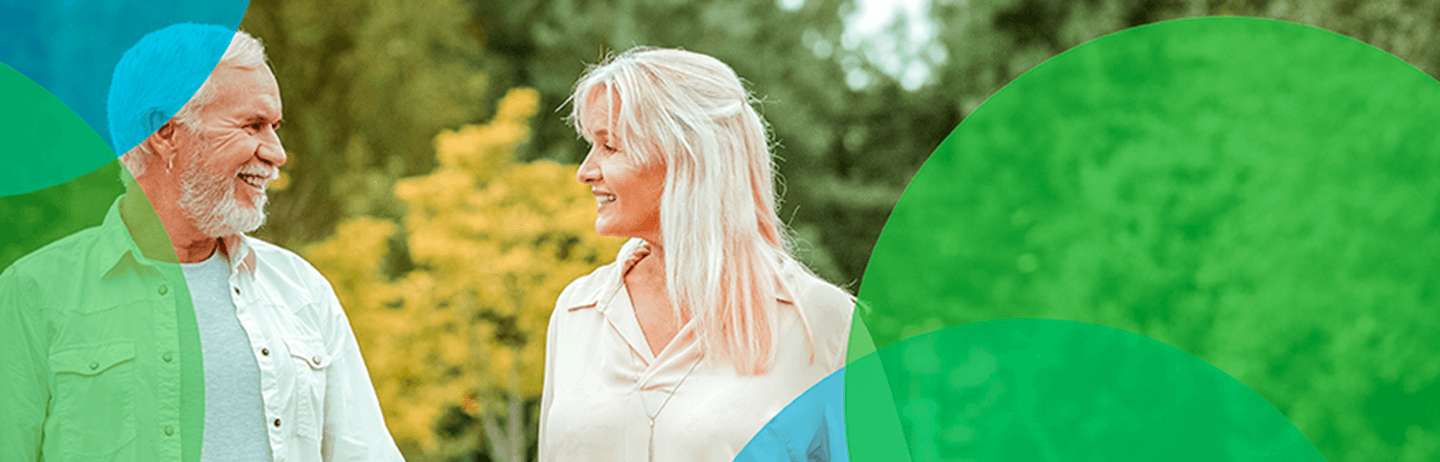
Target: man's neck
column 163, row 235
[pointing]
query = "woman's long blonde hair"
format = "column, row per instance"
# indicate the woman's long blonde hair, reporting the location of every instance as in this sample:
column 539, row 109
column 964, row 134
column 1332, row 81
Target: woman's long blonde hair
column 723, row 242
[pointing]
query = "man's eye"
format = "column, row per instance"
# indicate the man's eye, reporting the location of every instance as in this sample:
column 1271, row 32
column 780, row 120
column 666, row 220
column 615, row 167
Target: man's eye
column 255, row 126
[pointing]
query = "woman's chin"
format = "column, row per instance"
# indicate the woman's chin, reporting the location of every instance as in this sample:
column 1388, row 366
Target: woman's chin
column 606, row 230
column 603, row 229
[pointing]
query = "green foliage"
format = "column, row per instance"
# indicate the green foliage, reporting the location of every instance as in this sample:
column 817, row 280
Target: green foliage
column 367, row 84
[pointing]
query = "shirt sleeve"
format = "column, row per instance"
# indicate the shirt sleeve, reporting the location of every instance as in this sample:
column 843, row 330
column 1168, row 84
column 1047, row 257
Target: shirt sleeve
column 24, row 371
column 354, row 428
column 548, row 389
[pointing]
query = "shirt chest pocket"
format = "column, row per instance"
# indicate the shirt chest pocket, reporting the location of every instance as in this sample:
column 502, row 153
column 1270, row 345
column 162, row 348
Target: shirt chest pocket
column 93, row 409
column 310, row 362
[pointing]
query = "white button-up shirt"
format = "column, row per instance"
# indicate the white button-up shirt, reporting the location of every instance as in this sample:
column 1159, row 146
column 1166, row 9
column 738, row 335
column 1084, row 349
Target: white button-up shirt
column 607, row 397
column 318, row 397
column 92, row 353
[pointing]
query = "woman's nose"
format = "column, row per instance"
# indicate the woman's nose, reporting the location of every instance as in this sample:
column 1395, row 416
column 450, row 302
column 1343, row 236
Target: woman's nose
column 589, row 172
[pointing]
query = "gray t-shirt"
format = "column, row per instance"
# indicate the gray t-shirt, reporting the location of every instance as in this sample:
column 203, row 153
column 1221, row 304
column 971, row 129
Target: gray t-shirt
column 234, row 412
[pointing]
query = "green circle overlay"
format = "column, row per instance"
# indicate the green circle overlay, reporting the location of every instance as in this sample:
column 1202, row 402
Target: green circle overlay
column 1262, row 195
column 48, row 143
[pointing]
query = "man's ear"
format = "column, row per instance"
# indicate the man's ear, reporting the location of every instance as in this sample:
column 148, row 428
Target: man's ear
column 162, row 139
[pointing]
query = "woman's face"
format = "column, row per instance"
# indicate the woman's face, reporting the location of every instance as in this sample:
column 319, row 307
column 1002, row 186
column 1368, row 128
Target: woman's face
column 628, row 194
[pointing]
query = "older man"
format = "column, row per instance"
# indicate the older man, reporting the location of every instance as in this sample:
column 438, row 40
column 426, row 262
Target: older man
column 103, row 334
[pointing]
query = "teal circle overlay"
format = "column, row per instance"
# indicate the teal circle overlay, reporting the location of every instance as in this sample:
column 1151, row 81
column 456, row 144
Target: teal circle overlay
column 1262, row 195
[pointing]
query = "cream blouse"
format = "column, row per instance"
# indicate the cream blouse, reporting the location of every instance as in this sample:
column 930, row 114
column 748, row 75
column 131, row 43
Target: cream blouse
column 605, row 392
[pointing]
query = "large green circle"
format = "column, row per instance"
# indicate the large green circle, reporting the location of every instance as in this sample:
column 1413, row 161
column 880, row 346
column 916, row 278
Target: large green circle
column 1260, row 194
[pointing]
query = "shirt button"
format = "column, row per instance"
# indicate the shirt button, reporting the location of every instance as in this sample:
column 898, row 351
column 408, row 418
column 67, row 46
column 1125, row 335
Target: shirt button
column 167, row 357
column 169, row 430
column 237, row 291
column 265, row 352
column 277, row 422
column 94, row 365
column 315, row 359
column 163, row 290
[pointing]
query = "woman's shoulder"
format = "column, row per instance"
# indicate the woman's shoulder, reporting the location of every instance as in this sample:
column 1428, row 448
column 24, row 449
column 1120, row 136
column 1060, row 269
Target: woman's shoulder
column 824, row 303
column 827, row 310
column 585, row 290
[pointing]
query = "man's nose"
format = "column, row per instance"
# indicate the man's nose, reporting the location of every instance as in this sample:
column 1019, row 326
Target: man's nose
column 271, row 151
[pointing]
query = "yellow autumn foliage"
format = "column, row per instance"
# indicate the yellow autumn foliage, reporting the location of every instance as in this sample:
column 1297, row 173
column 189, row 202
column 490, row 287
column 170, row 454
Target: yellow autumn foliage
column 493, row 242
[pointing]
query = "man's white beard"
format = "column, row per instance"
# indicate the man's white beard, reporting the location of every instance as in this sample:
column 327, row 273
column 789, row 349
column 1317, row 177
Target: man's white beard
column 210, row 202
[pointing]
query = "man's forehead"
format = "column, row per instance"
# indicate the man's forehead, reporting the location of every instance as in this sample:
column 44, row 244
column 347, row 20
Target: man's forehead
column 246, row 90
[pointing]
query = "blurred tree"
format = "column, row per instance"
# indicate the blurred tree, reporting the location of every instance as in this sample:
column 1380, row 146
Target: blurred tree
column 367, row 84
column 989, row 43
column 460, row 338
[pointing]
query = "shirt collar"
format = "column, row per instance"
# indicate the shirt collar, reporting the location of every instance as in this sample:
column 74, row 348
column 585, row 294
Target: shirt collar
column 122, row 253
column 607, row 280
column 239, row 244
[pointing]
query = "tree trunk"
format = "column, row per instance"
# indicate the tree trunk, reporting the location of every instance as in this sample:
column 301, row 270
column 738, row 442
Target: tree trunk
column 494, row 437
column 516, row 421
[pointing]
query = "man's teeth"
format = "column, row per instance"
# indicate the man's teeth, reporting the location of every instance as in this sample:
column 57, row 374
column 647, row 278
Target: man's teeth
column 253, row 180
column 605, row 198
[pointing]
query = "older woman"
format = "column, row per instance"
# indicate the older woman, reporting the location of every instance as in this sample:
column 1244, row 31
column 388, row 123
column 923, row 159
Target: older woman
column 705, row 326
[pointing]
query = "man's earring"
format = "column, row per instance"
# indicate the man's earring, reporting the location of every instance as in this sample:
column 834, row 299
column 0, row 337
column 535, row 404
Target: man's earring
column 170, row 166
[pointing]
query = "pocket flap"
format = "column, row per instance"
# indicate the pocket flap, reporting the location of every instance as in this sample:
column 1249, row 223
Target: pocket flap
column 91, row 359
column 309, row 351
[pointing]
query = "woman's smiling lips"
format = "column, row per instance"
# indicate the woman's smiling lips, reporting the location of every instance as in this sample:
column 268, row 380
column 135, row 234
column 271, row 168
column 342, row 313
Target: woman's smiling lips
column 603, row 197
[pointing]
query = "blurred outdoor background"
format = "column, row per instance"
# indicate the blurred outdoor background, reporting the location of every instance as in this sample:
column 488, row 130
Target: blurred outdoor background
column 431, row 168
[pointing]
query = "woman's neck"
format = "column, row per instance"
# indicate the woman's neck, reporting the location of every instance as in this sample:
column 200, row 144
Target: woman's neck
column 645, row 280
column 649, row 266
